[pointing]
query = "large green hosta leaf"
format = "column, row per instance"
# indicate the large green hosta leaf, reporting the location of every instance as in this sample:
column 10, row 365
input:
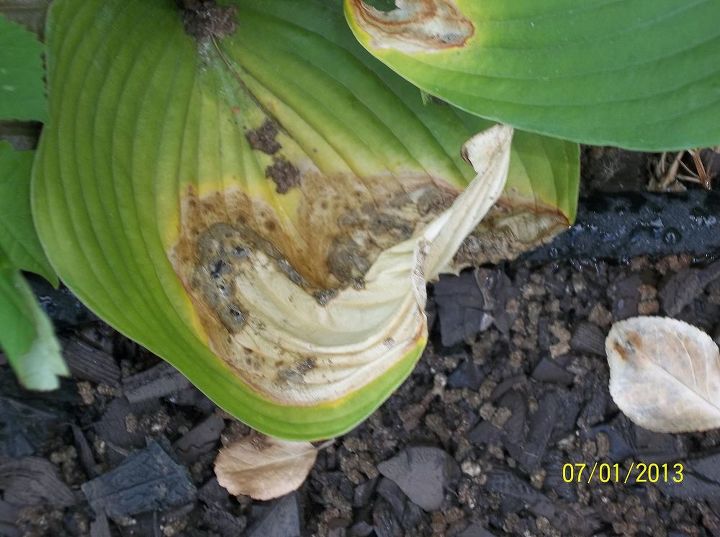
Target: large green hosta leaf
column 641, row 74
column 262, row 209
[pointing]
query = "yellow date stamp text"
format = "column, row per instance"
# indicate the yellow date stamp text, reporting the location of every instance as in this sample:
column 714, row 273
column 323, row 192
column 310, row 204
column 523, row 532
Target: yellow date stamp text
column 635, row 473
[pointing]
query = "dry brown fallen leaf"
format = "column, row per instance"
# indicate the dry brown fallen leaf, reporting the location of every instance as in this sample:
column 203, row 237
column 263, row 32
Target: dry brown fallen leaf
column 664, row 374
column 263, row 467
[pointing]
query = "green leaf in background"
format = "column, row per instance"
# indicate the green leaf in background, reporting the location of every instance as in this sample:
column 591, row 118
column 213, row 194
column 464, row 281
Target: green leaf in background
column 22, row 95
column 18, row 238
column 26, row 334
column 194, row 193
column 640, row 74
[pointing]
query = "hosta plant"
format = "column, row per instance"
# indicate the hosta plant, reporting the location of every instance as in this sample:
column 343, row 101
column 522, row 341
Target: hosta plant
column 248, row 192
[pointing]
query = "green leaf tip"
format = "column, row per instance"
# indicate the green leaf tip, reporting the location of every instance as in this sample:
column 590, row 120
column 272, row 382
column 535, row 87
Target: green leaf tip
column 26, row 334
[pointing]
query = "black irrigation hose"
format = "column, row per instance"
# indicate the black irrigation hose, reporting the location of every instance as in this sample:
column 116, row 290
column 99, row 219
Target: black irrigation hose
column 619, row 226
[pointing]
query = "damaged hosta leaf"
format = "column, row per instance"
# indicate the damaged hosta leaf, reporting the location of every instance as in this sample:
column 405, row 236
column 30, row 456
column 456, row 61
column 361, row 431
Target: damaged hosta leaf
column 598, row 72
column 664, row 374
column 264, row 467
column 258, row 201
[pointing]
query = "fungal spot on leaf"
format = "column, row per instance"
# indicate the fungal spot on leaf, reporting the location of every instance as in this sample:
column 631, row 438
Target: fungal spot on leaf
column 224, row 250
column 264, row 138
column 415, row 26
column 434, row 202
column 284, row 173
column 239, row 252
column 308, row 364
column 346, row 260
column 296, row 373
column 217, row 268
column 292, row 274
column 204, row 19
column 393, row 226
column 324, row 296
column 214, row 275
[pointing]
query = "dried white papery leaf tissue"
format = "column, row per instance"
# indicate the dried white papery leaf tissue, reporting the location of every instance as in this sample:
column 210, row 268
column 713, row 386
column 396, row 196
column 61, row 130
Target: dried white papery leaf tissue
column 664, row 374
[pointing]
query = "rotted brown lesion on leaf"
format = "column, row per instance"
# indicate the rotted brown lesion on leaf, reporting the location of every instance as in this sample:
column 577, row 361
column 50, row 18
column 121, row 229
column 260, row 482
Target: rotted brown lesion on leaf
column 340, row 227
column 415, row 25
column 620, row 350
column 284, row 174
column 227, row 240
column 510, row 229
column 264, row 138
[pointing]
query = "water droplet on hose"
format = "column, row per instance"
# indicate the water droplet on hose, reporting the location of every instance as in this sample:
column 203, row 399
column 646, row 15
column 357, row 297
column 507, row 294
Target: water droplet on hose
column 641, row 234
column 671, row 236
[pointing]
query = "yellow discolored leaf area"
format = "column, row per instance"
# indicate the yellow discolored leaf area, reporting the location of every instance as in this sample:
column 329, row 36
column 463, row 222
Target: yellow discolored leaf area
column 664, row 374
column 311, row 304
column 264, row 467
